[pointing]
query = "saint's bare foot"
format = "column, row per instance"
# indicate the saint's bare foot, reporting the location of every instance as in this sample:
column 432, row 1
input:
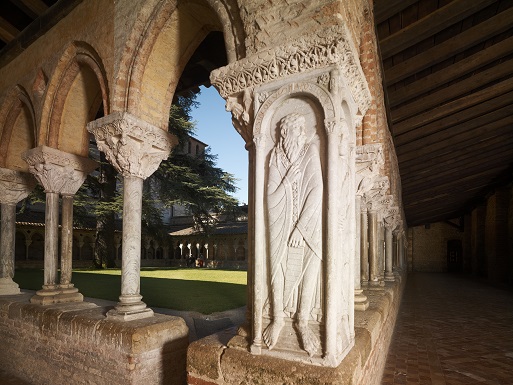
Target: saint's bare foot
column 272, row 332
column 308, row 339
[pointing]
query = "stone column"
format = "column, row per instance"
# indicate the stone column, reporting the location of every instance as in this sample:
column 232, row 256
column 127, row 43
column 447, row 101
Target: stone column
column 135, row 148
column 373, row 248
column 59, row 173
column 14, row 187
column 389, row 247
column 360, row 299
column 364, row 246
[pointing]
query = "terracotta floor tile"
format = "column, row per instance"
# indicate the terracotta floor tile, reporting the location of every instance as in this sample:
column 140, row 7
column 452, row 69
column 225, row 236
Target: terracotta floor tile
column 452, row 330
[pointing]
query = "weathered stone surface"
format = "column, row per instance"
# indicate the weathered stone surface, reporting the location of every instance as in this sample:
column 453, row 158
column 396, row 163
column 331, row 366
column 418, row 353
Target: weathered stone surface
column 76, row 343
column 213, row 361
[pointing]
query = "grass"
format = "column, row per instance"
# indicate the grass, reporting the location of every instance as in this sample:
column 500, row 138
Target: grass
column 202, row 290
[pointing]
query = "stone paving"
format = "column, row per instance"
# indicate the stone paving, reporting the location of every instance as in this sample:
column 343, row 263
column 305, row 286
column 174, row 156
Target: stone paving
column 451, row 330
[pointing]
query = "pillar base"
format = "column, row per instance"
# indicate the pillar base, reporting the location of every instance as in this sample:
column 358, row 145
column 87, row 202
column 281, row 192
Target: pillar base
column 361, row 301
column 52, row 294
column 389, row 277
column 9, row 287
column 120, row 315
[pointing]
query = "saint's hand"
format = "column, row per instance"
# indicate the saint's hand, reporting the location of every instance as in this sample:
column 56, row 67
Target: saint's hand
column 296, row 239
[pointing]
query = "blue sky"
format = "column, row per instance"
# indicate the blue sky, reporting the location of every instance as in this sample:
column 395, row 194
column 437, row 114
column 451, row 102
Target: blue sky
column 214, row 127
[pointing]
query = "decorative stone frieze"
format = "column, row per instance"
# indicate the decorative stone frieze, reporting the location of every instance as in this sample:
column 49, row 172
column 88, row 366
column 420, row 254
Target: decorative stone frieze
column 58, row 171
column 133, row 146
column 327, row 47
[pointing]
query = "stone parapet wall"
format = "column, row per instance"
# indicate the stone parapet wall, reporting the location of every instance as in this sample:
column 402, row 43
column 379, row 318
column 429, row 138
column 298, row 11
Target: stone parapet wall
column 222, row 358
column 76, row 344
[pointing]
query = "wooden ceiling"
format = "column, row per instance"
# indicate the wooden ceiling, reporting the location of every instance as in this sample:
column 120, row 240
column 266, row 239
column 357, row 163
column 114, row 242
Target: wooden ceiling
column 448, row 79
column 448, row 76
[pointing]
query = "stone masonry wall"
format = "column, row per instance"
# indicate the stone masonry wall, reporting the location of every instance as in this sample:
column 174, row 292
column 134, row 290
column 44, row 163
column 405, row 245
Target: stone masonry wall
column 76, row 344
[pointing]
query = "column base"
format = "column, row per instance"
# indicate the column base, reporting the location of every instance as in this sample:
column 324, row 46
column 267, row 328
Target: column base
column 376, row 285
column 389, row 277
column 52, row 294
column 9, row 287
column 361, row 301
column 121, row 315
column 129, row 308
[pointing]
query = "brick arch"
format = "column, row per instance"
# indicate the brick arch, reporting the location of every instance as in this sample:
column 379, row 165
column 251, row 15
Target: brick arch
column 158, row 51
column 76, row 90
column 17, row 128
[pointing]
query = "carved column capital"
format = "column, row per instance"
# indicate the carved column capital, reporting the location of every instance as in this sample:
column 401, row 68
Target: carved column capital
column 391, row 217
column 369, row 160
column 327, row 47
column 15, row 185
column 58, row 171
column 133, row 146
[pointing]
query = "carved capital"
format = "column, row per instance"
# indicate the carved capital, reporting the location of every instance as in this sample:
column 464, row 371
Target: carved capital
column 391, row 217
column 330, row 46
column 15, row 185
column 133, row 146
column 58, row 171
column 369, row 160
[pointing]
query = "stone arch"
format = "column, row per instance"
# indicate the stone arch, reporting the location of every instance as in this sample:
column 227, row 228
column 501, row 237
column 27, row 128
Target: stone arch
column 77, row 89
column 164, row 46
column 18, row 129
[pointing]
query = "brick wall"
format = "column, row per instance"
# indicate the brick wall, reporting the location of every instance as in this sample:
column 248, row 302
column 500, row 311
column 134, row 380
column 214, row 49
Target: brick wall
column 429, row 246
column 76, row 344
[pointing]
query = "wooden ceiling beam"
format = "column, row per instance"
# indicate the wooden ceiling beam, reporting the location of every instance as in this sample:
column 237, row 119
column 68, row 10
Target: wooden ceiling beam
column 36, row 6
column 484, row 147
column 384, row 9
column 486, row 126
column 449, row 48
column 462, row 171
column 483, row 113
column 7, row 31
column 453, row 91
column 458, row 165
column 454, row 106
column 429, row 25
column 472, row 182
column 451, row 73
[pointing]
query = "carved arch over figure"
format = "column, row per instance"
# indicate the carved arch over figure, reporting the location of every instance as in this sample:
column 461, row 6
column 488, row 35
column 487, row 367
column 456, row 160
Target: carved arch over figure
column 17, row 128
column 76, row 90
column 164, row 45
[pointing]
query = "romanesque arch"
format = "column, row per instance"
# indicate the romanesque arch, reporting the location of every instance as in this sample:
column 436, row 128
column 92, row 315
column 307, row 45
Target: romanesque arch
column 17, row 123
column 171, row 36
column 76, row 91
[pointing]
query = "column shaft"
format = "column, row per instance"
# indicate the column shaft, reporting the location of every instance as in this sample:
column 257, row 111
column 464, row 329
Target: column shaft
column 389, row 275
column 7, row 239
column 373, row 248
column 51, row 255
column 130, row 305
column 364, row 248
column 66, row 239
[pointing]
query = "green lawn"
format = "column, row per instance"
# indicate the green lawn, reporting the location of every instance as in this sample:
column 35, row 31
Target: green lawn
column 203, row 290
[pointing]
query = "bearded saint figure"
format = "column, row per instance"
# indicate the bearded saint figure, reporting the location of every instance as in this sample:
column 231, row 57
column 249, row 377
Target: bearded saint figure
column 294, row 203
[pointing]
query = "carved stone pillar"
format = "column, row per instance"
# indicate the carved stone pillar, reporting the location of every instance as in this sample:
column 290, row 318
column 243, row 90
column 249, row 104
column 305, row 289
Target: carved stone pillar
column 135, row 148
column 14, row 186
column 59, row 173
column 297, row 109
column 364, row 246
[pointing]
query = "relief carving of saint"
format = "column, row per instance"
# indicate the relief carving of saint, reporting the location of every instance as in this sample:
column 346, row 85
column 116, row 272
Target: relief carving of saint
column 294, row 202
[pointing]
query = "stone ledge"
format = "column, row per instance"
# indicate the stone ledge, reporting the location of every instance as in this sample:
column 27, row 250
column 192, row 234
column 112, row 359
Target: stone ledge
column 223, row 358
column 47, row 344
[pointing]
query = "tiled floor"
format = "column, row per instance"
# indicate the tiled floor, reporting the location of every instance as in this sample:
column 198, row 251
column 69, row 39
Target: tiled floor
column 451, row 330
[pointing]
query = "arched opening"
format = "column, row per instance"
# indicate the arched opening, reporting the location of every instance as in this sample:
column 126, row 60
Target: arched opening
column 18, row 133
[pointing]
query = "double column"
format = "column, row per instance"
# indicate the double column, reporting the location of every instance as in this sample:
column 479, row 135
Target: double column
column 14, row 186
column 135, row 148
column 60, row 173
